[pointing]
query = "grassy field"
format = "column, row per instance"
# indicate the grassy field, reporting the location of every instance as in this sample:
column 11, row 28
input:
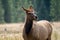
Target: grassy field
column 11, row 31
column 11, row 36
column 56, row 31
column 14, row 31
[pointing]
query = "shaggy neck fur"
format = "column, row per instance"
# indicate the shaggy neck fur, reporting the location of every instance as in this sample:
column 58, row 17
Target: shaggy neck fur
column 28, row 26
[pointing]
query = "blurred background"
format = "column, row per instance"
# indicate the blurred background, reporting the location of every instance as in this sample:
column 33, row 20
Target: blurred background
column 11, row 11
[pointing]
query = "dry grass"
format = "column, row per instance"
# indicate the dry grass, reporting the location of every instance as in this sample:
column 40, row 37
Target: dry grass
column 56, row 31
column 11, row 36
column 11, row 31
column 14, row 31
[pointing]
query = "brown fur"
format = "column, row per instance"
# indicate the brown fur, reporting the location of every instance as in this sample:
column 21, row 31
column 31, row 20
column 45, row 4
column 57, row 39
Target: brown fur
column 40, row 30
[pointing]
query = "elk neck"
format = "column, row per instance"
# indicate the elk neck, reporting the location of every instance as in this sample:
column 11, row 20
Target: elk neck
column 28, row 25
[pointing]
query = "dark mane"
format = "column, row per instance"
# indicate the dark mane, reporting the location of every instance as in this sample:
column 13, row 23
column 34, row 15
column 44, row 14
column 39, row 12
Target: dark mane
column 28, row 26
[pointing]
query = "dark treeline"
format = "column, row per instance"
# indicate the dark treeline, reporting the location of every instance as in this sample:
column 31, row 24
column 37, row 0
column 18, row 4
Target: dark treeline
column 11, row 11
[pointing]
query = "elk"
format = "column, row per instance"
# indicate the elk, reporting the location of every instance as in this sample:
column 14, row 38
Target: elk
column 40, row 30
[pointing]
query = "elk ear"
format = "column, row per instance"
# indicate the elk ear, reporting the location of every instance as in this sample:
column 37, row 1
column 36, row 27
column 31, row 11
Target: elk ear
column 24, row 9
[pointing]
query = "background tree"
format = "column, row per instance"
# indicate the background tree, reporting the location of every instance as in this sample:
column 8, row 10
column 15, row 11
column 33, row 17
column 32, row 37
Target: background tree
column 11, row 11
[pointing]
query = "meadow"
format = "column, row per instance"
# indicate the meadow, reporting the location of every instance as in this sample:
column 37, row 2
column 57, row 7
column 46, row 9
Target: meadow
column 13, row 31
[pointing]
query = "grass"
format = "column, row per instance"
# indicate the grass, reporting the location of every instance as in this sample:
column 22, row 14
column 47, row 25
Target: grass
column 11, row 36
column 56, row 31
column 14, row 31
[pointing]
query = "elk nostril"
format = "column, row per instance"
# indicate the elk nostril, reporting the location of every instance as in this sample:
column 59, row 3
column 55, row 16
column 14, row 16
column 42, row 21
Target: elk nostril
column 36, row 17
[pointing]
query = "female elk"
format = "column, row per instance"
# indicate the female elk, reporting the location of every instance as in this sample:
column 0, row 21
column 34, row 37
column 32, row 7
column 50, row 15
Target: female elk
column 36, row 30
